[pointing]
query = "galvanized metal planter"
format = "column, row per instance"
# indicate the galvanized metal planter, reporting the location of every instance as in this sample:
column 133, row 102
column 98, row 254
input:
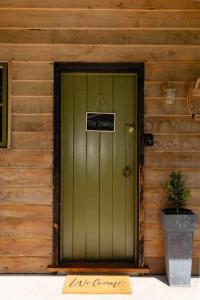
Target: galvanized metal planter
column 178, row 237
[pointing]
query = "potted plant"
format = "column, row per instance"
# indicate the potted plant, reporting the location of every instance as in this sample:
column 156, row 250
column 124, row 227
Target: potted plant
column 179, row 224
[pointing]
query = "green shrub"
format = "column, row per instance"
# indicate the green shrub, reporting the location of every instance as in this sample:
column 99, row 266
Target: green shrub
column 178, row 194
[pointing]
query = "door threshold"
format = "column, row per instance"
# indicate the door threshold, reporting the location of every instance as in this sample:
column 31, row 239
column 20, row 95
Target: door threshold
column 98, row 267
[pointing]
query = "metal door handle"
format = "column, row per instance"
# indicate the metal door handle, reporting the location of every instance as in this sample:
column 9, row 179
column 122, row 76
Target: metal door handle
column 130, row 127
column 127, row 172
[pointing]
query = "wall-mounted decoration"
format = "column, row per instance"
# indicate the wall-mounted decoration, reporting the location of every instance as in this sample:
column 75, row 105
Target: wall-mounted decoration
column 100, row 121
column 193, row 100
column 169, row 93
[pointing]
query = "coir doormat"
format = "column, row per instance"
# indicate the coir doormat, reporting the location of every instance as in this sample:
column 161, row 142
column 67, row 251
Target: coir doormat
column 85, row 284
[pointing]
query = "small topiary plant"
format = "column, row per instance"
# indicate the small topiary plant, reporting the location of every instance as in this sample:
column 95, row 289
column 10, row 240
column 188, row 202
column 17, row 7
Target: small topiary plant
column 178, row 194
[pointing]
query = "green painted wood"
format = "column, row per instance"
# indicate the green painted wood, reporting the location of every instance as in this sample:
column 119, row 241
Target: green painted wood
column 93, row 168
column 106, row 174
column 130, row 161
column 67, row 156
column 79, row 230
column 135, row 180
column 98, row 202
column 119, row 213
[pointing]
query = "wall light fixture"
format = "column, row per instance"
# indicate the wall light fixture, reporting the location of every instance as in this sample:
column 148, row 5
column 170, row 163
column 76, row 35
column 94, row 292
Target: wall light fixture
column 169, row 93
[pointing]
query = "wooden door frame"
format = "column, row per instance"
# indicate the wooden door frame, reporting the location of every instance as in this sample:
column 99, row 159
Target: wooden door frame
column 136, row 68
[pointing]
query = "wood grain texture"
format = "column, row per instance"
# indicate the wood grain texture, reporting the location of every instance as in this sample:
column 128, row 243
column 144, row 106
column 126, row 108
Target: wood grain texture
column 157, row 194
column 32, row 71
column 158, row 107
column 112, row 4
column 32, row 141
column 25, row 212
column 154, row 215
column 32, row 105
column 154, row 89
column 164, row 35
column 26, row 176
column 23, row 264
column 171, row 71
column 97, row 267
column 131, row 36
column 32, row 88
column 155, row 248
column 26, row 159
column 157, row 265
column 100, row 53
column 154, row 230
column 99, row 19
column 171, row 124
column 152, row 210
column 165, row 159
column 176, row 143
column 32, row 123
column 158, row 177
column 25, row 230
column 26, row 195
column 25, row 247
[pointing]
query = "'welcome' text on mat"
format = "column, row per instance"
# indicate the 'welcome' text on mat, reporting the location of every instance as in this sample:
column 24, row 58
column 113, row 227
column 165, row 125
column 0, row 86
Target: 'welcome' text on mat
column 85, row 284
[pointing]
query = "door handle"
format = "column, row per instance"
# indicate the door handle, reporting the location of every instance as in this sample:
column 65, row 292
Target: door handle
column 127, row 172
column 130, row 127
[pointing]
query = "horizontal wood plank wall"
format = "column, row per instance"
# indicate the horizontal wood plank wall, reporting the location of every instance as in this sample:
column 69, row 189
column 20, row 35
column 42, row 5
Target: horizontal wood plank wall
column 26, row 172
column 33, row 34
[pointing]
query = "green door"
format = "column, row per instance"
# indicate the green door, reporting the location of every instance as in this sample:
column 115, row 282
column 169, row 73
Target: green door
column 98, row 169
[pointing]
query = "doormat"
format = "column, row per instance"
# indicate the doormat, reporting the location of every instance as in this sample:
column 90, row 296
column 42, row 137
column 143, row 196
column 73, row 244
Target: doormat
column 86, row 284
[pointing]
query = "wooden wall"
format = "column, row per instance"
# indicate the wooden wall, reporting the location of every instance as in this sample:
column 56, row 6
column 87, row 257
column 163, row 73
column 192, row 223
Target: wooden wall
column 33, row 34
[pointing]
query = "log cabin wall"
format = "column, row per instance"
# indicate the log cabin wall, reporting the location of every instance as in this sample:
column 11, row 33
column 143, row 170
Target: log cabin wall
column 165, row 35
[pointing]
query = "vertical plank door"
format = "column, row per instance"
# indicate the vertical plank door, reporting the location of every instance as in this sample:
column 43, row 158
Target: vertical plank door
column 98, row 202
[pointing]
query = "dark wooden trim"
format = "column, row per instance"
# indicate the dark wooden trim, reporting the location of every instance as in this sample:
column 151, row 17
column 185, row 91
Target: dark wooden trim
column 57, row 165
column 5, row 103
column 140, row 153
column 96, row 267
column 137, row 68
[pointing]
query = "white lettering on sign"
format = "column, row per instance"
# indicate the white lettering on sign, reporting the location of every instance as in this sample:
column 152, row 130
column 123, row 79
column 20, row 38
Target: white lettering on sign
column 100, row 121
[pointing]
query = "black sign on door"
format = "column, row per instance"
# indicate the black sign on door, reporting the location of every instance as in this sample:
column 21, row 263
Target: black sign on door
column 98, row 121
